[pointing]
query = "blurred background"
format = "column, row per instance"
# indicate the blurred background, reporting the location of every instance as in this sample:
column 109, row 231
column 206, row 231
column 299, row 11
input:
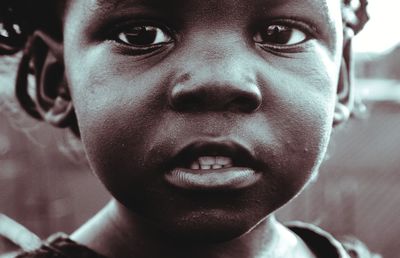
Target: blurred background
column 46, row 185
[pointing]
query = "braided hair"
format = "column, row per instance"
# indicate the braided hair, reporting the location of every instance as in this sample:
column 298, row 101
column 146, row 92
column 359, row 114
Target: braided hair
column 355, row 14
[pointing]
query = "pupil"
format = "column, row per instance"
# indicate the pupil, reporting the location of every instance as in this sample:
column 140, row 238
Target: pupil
column 277, row 34
column 142, row 35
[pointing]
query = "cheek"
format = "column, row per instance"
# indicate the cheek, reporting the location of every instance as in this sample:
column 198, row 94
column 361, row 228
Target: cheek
column 111, row 106
column 301, row 111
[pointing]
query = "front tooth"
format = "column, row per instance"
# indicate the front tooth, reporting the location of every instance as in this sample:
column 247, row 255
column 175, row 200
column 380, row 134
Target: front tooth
column 205, row 167
column 224, row 161
column 207, row 161
column 195, row 165
column 216, row 166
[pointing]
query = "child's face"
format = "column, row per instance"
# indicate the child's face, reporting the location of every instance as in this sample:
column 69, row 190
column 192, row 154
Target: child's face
column 158, row 84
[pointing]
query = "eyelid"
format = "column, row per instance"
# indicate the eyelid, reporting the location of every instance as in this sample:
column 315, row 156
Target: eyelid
column 307, row 28
column 294, row 23
column 114, row 29
column 120, row 27
column 295, row 32
column 124, row 34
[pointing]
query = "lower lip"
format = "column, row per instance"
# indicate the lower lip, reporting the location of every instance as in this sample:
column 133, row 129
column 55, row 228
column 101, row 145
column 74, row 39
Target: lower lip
column 233, row 178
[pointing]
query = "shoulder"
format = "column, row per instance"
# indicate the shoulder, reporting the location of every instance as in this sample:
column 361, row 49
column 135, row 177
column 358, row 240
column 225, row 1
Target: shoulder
column 325, row 245
column 18, row 241
column 14, row 237
column 60, row 246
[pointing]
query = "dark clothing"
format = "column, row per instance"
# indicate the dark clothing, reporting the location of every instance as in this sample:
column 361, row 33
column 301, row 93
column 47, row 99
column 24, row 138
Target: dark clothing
column 60, row 246
column 320, row 242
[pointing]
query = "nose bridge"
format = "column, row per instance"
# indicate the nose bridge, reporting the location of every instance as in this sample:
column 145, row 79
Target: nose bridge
column 222, row 53
column 219, row 76
column 218, row 69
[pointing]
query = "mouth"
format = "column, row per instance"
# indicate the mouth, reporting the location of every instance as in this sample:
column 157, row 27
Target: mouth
column 213, row 166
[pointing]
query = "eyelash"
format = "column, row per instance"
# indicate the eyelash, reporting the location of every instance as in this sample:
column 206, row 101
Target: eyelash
column 291, row 24
column 115, row 36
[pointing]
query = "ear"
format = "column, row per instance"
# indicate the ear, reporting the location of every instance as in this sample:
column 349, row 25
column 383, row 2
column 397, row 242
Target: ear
column 345, row 90
column 43, row 58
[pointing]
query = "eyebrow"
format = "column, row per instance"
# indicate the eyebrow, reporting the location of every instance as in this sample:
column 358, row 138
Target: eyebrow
column 117, row 3
column 108, row 5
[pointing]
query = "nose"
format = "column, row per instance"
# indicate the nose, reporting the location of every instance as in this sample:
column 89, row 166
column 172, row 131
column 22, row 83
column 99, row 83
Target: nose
column 219, row 84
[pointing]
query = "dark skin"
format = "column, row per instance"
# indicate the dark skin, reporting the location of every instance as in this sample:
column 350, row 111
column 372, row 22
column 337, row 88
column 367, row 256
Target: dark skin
column 146, row 79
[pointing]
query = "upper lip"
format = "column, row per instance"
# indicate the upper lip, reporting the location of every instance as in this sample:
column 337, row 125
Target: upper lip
column 240, row 155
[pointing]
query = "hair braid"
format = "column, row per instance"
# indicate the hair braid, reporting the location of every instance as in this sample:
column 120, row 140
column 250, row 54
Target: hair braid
column 355, row 14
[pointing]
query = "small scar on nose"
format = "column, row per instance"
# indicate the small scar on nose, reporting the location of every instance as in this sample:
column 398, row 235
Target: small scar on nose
column 226, row 115
column 184, row 78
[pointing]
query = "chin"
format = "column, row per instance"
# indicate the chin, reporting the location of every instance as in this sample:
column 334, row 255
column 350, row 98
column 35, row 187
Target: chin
column 207, row 229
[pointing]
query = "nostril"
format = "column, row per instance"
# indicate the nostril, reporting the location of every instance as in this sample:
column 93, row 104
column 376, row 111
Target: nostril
column 187, row 102
column 215, row 96
column 245, row 104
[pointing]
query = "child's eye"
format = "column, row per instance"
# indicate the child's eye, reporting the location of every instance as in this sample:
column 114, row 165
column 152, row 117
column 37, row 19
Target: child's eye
column 144, row 36
column 280, row 35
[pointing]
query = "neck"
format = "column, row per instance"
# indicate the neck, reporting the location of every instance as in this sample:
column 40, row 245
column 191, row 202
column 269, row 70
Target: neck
column 113, row 233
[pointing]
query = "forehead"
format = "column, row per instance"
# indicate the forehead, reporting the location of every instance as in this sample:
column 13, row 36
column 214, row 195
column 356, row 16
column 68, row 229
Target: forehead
column 321, row 7
column 116, row 3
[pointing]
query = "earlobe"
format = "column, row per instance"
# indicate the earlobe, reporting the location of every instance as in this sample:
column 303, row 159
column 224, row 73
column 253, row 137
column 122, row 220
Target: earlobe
column 52, row 92
column 60, row 113
column 51, row 102
column 341, row 115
